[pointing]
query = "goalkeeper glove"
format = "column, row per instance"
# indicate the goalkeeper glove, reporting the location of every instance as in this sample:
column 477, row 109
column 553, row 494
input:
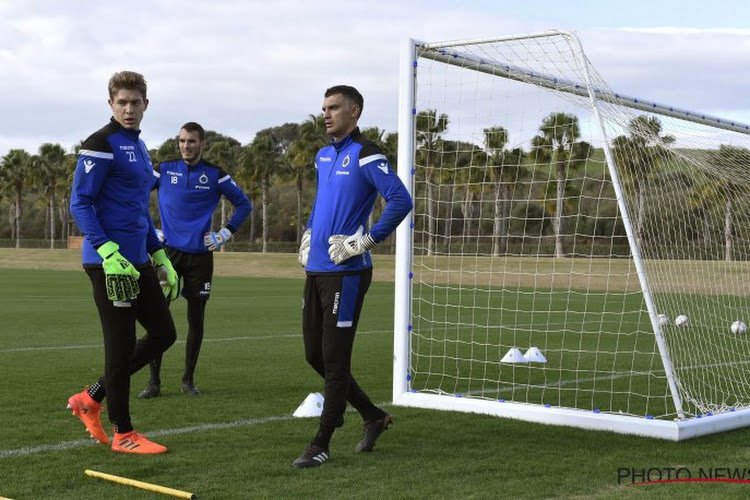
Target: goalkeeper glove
column 304, row 247
column 344, row 247
column 168, row 279
column 120, row 276
column 215, row 241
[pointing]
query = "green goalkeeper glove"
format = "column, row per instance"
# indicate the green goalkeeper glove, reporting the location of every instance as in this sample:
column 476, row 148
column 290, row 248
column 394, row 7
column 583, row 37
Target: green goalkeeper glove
column 345, row 247
column 120, row 276
column 168, row 279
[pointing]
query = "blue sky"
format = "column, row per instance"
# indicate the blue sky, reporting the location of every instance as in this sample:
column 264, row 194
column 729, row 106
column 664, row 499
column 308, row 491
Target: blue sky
column 238, row 67
column 635, row 13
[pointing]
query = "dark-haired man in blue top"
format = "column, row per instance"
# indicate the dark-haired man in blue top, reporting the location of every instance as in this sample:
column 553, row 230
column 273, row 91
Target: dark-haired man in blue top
column 189, row 191
column 351, row 172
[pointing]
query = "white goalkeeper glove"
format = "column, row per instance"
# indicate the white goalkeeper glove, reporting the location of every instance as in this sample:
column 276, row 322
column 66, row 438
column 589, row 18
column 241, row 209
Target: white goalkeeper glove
column 215, row 241
column 304, row 247
column 345, row 247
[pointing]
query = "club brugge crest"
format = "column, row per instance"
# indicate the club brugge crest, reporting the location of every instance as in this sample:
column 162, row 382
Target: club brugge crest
column 346, row 161
column 203, row 178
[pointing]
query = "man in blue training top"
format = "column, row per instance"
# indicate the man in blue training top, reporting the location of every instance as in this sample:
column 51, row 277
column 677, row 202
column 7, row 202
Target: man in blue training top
column 189, row 190
column 110, row 204
column 351, row 172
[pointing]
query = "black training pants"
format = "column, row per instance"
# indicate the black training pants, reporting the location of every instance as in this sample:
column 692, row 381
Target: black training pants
column 123, row 353
column 332, row 305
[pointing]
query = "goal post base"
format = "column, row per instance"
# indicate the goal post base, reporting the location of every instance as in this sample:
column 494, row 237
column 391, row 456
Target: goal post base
column 678, row 430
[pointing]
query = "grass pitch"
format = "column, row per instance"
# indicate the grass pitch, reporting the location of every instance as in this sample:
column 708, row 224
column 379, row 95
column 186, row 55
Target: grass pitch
column 237, row 440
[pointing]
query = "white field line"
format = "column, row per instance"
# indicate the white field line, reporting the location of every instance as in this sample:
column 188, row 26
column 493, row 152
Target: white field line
column 608, row 377
column 226, row 339
column 66, row 445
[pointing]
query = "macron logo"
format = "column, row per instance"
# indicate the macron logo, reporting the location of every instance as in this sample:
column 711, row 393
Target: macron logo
column 88, row 165
column 384, row 168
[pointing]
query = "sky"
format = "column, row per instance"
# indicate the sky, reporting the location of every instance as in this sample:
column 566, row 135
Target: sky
column 237, row 67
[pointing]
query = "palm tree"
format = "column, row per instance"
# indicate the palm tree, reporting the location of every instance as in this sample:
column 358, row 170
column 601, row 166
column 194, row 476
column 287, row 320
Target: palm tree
column 729, row 158
column 225, row 155
column 636, row 156
column 301, row 158
column 48, row 172
column 558, row 144
column 505, row 170
column 63, row 190
column 264, row 157
column 14, row 170
column 284, row 137
column 429, row 129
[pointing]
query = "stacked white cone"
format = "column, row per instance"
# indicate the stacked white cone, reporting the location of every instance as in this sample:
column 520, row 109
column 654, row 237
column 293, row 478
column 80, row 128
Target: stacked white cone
column 534, row 355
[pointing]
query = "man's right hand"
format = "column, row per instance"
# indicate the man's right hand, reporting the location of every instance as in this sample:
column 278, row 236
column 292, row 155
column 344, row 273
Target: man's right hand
column 120, row 275
column 304, row 247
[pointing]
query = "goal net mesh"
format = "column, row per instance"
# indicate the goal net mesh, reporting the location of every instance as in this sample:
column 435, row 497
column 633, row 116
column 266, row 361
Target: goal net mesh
column 519, row 240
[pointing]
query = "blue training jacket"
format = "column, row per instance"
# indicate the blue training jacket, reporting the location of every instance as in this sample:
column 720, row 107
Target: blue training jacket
column 188, row 196
column 350, row 175
column 110, row 195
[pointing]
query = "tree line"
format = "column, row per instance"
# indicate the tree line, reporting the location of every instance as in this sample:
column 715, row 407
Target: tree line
column 276, row 170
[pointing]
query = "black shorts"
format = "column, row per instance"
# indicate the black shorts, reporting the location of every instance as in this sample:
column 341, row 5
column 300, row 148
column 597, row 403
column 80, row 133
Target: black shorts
column 196, row 271
column 333, row 301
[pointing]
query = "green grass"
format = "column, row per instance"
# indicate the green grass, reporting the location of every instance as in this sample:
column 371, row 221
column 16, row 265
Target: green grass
column 238, row 439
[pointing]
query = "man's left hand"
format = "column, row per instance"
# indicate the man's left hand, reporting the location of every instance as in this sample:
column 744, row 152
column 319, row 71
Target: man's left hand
column 168, row 279
column 345, row 247
column 215, row 241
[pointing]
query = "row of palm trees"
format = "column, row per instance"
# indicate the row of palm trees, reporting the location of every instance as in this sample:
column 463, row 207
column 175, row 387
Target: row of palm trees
column 281, row 157
column 645, row 158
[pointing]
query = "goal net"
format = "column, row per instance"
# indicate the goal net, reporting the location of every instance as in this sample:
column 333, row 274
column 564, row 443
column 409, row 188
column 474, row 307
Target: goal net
column 575, row 256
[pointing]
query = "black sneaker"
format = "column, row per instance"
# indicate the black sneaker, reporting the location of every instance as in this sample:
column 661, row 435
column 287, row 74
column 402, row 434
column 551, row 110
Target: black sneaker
column 312, row 457
column 151, row 391
column 189, row 388
column 373, row 430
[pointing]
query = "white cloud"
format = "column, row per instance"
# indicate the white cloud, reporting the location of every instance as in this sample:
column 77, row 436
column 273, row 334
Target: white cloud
column 238, row 67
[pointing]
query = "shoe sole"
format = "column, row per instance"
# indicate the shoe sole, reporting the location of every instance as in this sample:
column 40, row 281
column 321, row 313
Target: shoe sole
column 76, row 409
column 362, row 446
column 190, row 392
column 120, row 450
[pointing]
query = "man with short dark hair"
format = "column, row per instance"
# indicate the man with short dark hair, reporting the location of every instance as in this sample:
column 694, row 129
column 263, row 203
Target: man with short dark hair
column 189, row 190
column 351, row 172
column 110, row 204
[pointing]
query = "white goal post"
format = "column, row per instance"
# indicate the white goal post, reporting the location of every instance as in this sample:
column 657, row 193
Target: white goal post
column 575, row 256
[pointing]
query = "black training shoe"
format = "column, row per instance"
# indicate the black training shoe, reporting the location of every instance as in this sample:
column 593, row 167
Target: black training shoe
column 151, row 391
column 189, row 388
column 312, row 457
column 373, row 430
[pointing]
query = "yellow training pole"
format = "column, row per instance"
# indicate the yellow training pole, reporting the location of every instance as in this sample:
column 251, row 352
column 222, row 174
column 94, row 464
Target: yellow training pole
column 140, row 484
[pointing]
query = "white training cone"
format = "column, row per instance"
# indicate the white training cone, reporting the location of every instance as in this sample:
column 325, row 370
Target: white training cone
column 312, row 406
column 513, row 356
column 534, row 355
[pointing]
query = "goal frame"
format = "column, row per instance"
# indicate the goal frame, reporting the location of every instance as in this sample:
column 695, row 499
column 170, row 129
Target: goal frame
column 682, row 427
